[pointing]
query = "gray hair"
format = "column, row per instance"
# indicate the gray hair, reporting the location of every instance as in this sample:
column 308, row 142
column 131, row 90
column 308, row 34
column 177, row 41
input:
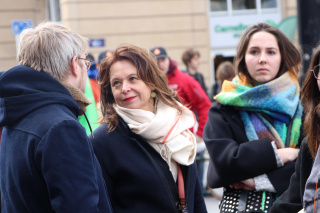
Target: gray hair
column 50, row 47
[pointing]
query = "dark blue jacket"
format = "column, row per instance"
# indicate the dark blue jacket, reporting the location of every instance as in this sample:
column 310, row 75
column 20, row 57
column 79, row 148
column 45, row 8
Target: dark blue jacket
column 47, row 162
column 137, row 178
column 1, row 72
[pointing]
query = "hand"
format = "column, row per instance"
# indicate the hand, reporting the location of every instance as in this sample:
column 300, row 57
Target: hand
column 198, row 138
column 200, row 144
column 245, row 184
column 288, row 154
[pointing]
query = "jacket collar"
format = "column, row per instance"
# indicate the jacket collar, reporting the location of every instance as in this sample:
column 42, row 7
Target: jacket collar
column 78, row 96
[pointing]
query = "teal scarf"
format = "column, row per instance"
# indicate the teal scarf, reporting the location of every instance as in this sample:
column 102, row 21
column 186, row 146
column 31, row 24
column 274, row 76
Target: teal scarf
column 279, row 99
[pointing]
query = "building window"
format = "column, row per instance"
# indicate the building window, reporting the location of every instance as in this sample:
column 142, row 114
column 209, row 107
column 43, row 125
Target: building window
column 242, row 6
column 53, row 10
column 218, row 5
column 268, row 4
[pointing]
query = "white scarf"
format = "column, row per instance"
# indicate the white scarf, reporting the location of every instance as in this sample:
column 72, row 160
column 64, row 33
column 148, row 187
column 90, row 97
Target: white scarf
column 167, row 132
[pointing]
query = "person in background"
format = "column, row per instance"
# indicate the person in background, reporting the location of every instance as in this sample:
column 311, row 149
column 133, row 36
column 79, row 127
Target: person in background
column 93, row 71
column 191, row 59
column 224, row 72
column 104, row 54
column 191, row 94
column 144, row 145
column 90, row 121
column 93, row 78
column 254, row 128
column 303, row 183
column 189, row 90
column 90, row 57
column 47, row 161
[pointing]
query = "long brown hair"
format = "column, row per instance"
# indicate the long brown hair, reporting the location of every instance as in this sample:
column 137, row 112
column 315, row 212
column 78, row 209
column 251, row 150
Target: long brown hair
column 290, row 56
column 148, row 71
column 310, row 99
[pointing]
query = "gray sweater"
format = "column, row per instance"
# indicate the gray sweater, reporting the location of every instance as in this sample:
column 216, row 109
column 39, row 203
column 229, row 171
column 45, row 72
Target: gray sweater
column 309, row 193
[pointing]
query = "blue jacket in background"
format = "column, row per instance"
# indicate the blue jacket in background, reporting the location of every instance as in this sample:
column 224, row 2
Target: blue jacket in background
column 47, row 162
column 93, row 71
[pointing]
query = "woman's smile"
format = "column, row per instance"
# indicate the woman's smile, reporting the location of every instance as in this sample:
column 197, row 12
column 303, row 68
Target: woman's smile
column 129, row 99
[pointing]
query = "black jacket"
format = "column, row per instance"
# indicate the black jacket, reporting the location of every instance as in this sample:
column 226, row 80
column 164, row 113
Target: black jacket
column 133, row 172
column 292, row 199
column 233, row 157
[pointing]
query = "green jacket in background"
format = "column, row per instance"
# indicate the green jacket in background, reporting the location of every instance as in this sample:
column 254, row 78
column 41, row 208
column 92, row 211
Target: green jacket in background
column 91, row 112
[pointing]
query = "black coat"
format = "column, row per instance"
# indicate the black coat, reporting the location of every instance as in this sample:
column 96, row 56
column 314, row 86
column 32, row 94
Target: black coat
column 47, row 161
column 137, row 178
column 292, row 199
column 233, row 157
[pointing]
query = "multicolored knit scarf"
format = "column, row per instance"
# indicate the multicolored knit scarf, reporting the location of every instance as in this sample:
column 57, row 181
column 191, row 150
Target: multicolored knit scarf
column 278, row 99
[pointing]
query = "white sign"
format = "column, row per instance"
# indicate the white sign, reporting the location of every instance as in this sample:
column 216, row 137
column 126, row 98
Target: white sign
column 225, row 31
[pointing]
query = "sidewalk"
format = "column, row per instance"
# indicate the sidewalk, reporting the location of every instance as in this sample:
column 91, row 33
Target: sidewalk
column 212, row 203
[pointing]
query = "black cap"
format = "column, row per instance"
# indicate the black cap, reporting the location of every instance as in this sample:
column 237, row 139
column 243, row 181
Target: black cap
column 159, row 52
column 103, row 55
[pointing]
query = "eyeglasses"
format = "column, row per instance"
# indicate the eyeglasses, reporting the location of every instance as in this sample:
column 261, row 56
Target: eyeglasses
column 316, row 71
column 87, row 62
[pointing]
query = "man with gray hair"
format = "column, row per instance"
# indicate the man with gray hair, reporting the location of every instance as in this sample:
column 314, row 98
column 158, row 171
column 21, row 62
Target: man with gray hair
column 47, row 161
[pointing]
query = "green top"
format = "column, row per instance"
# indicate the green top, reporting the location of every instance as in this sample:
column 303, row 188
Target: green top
column 91, row 112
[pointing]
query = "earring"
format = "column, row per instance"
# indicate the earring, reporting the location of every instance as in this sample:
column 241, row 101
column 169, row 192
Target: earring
column 153, row 94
